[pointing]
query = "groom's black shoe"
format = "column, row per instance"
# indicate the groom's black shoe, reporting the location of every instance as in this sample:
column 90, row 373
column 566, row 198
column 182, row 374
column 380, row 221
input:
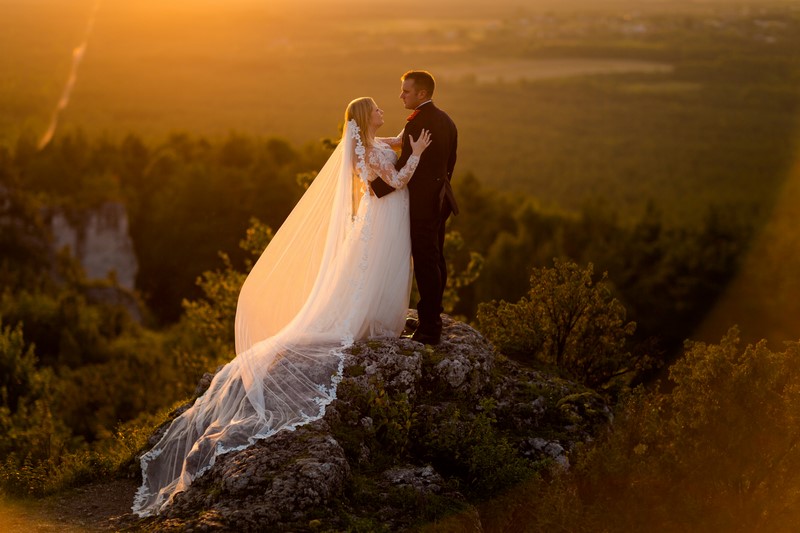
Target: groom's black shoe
column 411, row 326
column 426, row 339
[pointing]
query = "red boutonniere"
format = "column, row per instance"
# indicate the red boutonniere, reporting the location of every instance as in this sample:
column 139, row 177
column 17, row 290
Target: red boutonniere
column 412, row 115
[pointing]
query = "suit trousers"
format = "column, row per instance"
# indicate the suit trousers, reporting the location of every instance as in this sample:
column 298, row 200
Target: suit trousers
column 426, row 237
column 442, row 262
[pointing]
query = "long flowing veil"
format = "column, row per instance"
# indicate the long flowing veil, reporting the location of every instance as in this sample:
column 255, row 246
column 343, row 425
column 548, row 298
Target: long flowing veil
column 281, row 281
column 297, row 311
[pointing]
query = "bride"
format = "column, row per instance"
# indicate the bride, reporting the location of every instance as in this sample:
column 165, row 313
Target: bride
column 337, row 271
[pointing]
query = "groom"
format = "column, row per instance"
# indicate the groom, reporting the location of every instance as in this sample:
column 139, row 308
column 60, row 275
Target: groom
column 430, row 196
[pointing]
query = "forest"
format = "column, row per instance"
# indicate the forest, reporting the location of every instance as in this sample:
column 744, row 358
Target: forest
column 654, row 186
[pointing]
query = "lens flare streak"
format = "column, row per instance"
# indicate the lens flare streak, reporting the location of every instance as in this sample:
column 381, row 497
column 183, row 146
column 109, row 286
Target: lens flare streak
column 77, row 57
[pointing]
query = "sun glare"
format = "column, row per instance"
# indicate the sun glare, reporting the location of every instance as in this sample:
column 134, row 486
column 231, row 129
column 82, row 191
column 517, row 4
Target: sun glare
column 764, row 297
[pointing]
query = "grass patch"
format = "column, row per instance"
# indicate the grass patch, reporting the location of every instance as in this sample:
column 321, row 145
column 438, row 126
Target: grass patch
column 111, row 457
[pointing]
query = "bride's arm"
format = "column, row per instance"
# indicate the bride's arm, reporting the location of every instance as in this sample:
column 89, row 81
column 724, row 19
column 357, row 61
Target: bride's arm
column 380, row 165
column 383, row 165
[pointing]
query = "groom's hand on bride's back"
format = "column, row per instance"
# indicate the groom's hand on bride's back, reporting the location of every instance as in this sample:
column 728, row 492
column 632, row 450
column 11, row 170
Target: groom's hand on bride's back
column 380, row 187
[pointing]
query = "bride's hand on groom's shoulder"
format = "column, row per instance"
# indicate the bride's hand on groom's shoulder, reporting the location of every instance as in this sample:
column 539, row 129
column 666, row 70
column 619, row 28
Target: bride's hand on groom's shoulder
column 422, row 142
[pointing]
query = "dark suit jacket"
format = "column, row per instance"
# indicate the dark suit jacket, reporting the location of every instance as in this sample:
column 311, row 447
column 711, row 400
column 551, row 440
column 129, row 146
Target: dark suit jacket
column 430, row 194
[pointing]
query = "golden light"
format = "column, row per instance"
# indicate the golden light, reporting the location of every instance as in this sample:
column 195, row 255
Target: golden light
column 764, row 298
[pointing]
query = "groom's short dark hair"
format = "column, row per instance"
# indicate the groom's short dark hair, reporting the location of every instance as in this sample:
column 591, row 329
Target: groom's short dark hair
column 422, row 80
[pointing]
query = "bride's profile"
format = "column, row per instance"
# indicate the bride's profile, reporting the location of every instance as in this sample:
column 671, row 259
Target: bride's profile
column 338, row 270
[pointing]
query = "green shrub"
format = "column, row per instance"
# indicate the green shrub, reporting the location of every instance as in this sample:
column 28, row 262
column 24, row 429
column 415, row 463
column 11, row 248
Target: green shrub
column 716, row 453
column 392, row 415
column 29, row 433
column 471, row 447
column 566, row 320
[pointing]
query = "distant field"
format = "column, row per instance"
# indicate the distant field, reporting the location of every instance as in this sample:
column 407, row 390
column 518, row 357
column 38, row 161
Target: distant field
column 489, row 71
column 565, row 129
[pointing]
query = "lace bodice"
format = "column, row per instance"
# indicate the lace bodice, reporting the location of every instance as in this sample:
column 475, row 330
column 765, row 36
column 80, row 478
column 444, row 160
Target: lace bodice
column 380, row 160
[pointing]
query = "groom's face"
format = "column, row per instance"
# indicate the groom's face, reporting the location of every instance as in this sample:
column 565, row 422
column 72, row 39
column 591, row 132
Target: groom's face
column 410, row 96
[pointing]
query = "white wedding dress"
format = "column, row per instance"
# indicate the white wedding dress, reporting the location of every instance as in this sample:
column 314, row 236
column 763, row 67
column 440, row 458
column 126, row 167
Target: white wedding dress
column 337, row 271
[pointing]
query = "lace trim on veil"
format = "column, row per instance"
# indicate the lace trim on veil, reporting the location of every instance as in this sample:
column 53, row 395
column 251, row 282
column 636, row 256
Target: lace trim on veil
column 243, row 392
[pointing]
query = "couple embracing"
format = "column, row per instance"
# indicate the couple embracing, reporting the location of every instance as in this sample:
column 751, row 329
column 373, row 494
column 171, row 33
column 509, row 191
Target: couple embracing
column 337, row 271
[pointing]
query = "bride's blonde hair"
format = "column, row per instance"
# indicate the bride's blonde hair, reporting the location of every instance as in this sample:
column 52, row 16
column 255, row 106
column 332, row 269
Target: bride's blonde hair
column 360, row 110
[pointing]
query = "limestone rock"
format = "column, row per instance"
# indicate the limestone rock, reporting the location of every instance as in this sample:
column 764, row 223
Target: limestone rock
column 467, row 362
column 424, row 479
column 274, row 481
column 101, row 241
column 416, row 434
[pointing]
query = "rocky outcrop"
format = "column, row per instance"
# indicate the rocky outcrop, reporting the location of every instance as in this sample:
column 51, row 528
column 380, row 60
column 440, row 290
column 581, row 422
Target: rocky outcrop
column 101, row 242
column 274, row 482
column 416, row 433
column 99, row 239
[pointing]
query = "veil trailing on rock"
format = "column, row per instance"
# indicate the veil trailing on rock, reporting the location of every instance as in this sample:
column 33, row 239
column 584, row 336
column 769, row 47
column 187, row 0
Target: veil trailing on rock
column 298, row 310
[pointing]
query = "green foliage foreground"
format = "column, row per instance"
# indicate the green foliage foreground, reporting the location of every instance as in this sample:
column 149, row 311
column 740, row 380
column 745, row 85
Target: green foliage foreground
column 567, row 320
column 40, row 452
column 719, row 452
